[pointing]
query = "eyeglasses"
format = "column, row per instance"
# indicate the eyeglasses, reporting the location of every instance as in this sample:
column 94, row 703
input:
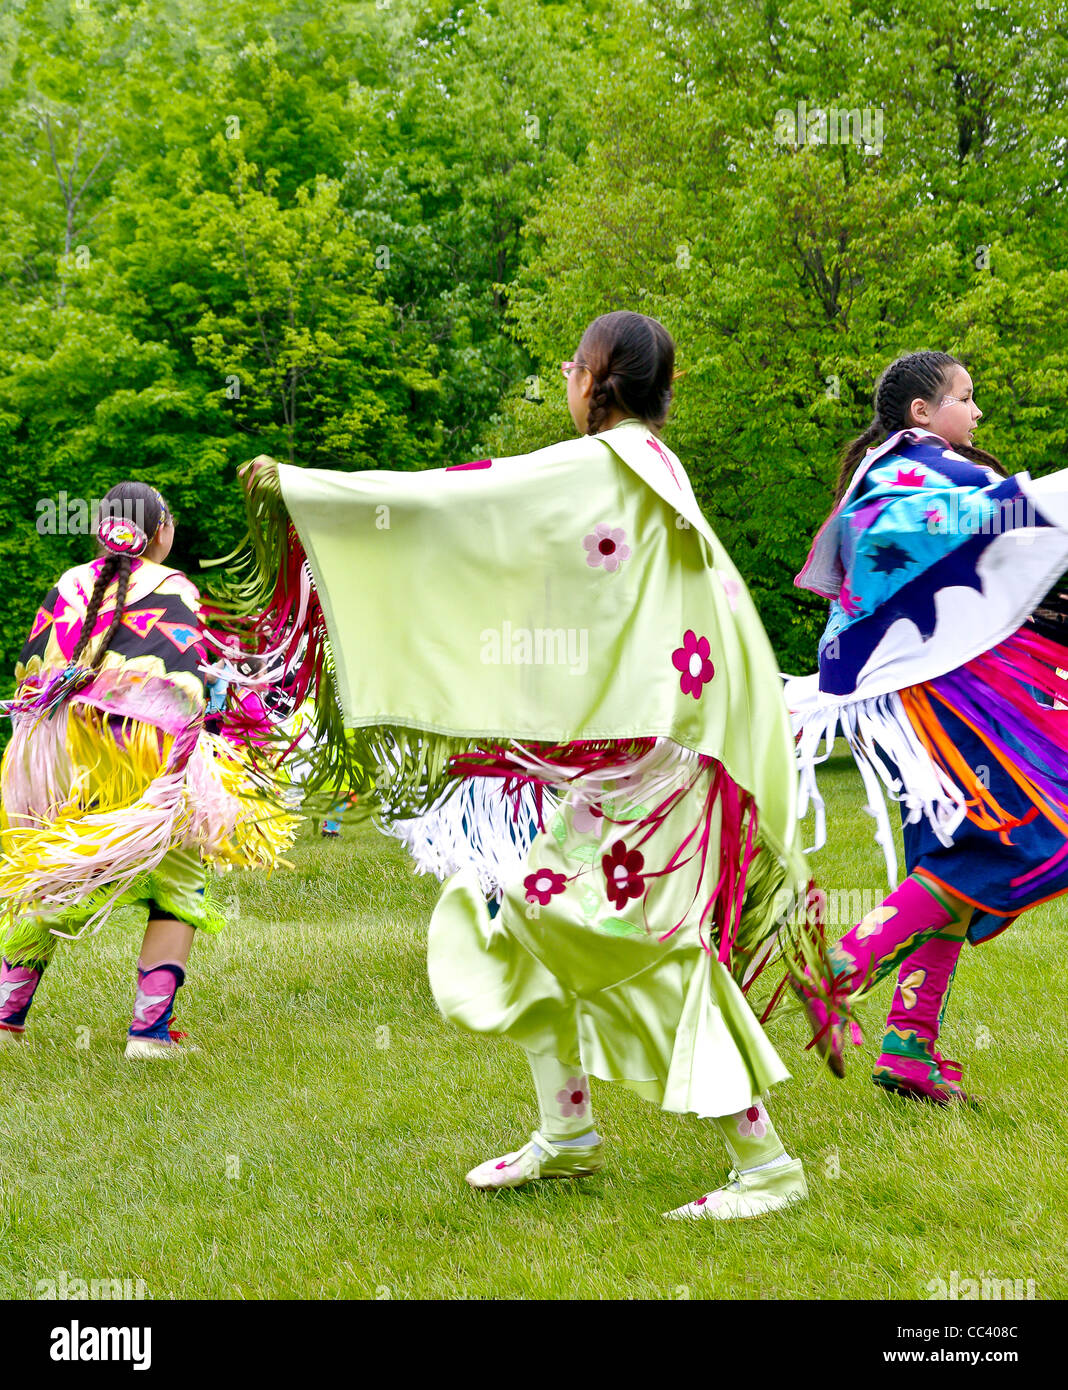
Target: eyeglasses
column 568, row 367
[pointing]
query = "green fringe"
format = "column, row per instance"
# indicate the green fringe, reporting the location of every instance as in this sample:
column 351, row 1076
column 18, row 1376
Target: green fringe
column 28, row 942
column 774, row 910
column 30, row 939
column 247, row 587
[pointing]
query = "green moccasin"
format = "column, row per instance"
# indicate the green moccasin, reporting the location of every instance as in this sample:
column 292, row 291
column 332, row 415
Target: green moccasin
column 538, row 1158
column 748, row 1194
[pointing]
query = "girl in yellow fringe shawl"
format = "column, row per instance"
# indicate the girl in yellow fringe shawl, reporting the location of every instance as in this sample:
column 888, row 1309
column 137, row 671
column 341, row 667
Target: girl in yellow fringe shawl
column 112, row 791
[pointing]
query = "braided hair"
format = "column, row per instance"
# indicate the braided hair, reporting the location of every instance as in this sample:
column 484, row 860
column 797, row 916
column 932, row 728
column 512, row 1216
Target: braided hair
column 923, row 374
column 130, row 516
column 631, row 358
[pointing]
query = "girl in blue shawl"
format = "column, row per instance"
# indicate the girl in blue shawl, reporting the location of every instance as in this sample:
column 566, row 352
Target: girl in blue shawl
column 949, row 693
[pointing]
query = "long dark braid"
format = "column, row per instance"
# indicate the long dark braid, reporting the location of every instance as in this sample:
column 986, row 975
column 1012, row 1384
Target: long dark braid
column 923, row 374
column 603, row 397
column 130, row 515
column 114, row 564
column 631, row 358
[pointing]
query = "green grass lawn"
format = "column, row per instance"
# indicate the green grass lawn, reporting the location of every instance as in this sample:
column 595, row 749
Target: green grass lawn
column 315, row 1147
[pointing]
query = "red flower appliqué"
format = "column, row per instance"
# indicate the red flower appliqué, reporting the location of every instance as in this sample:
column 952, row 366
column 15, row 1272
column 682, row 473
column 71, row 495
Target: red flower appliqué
column 542, row 885
column 692, row 660
column 623, row 874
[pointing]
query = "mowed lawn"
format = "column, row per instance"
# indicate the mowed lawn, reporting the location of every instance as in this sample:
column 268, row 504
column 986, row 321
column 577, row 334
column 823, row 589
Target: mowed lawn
column 315, row 1147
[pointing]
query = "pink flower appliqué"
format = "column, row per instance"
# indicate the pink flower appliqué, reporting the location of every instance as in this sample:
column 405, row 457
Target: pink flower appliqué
column 731, row 589
column 574, row 1097
column 587, row 818
column 605, row 547
column 542, row 885
column 713, row 1199
column 754, row 1122
column 692, row 659
column 623, row 874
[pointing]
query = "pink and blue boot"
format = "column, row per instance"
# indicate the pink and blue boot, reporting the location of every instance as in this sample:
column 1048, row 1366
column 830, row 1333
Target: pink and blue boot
column 907, row 917
column 910, row 1063
column 18, row 984
column 150, row 1034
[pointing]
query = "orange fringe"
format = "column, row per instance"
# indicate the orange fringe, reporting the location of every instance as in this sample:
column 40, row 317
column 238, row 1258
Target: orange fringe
column 983, row 808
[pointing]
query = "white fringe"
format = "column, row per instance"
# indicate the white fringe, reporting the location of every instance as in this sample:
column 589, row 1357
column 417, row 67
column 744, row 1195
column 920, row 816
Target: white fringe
column 872, row 727
column 475, row 828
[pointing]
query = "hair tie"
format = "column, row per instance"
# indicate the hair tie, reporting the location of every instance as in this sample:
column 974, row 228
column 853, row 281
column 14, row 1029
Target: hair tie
column 120, row 536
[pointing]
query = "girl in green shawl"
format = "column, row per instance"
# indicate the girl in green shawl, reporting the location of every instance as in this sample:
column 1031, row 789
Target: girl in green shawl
column 565, row 622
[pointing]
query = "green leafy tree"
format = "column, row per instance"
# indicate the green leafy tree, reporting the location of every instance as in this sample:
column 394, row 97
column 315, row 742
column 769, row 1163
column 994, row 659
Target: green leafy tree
column 794, row 249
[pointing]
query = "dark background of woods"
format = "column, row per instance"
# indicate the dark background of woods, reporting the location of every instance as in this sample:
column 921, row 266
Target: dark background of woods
column 365, row 235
